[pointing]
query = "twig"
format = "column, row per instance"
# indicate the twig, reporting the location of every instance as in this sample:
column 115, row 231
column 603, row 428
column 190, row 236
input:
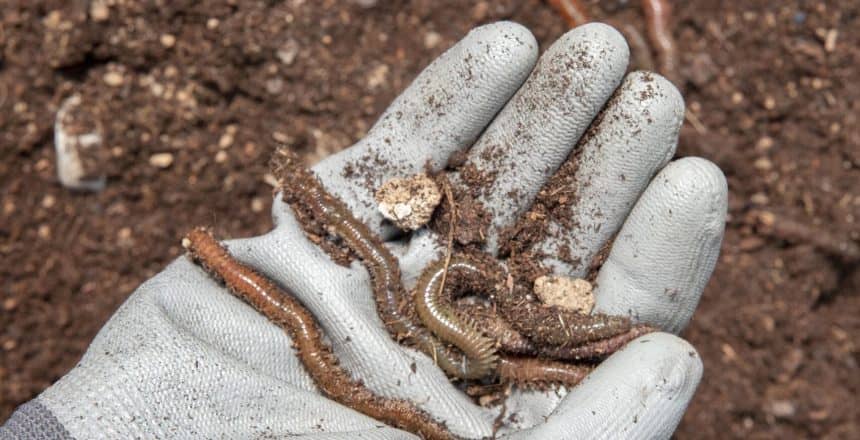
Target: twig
column 768, row 224
column 452, row 220
column 572, row 11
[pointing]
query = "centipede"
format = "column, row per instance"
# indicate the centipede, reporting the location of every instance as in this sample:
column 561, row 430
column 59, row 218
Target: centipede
column 283, row 309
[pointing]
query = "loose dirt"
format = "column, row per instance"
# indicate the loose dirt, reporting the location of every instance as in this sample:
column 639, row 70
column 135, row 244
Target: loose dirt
column 194, row 97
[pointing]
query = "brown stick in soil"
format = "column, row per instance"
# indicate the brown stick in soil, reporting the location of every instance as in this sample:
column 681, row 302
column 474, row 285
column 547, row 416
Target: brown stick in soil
column 658, row 17
column 658, row 20
column 284, row 310
column 782, row 228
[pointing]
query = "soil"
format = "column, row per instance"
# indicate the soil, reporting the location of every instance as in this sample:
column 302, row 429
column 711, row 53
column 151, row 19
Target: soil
column 194, row 96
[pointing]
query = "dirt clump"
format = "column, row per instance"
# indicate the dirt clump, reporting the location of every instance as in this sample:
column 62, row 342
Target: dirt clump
column 408, row 202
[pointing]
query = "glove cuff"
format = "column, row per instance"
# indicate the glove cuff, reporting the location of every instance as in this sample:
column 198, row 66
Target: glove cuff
column 32, row 421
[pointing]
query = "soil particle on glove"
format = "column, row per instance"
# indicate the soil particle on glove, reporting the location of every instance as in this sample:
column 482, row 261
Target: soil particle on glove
column 573, row 294
column 409, row 202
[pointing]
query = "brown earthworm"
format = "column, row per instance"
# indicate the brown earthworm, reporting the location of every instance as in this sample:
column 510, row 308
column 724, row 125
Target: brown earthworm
column 534, row 371
column 658, row 15
column 543, row 324
column 396, row 311
column 283, row 309
column 513, row 342
column 433, row 304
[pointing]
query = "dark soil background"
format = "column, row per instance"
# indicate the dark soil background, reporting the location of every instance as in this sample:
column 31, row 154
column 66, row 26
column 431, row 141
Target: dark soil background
column 772, row 88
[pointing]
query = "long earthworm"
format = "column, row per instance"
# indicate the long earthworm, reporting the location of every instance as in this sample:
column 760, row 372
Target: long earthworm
column 535, row 371
column 513, row 342
column 397, row 313
column 283, row 309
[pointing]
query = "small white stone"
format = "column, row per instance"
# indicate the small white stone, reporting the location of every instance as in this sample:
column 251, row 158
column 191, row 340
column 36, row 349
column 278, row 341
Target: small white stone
column 70, row 144
column 408, row 203
column 167, row 40
column 402, row 210
column 288, row 52
column 161, row 160
column 432, row 39
column 113, row 79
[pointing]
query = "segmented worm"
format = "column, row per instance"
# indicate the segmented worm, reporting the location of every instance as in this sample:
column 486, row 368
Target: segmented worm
column 284, row 310
column 433, row 304
column 556, row 326
column 534, row 371
column 513, row 342
column 396, row 311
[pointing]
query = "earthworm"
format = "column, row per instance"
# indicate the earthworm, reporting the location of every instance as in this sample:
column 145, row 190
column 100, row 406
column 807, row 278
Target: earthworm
column 513, row 342
column 556, row 326
column 658, row 15
column 283, row 309
column 396, row 311
column 433, row 304
column 559, row 333
column 534, row 371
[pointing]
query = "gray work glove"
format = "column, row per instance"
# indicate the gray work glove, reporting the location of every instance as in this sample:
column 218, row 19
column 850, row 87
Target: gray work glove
column 183, row 358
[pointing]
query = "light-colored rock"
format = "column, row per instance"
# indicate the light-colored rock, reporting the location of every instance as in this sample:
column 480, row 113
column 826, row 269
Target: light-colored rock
column 432, row 39
column 288, row 51
column 571, row 293
column 161, row 160
column 113, row 78
column 99, row 11
column 78, row 144
column 167, row 40
column 409, row 203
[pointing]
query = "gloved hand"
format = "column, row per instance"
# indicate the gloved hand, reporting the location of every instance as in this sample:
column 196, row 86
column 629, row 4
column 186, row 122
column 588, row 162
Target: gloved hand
column 183, row 358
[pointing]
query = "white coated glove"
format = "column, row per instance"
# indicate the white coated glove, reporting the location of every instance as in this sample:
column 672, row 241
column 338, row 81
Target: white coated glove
column 183, row 358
